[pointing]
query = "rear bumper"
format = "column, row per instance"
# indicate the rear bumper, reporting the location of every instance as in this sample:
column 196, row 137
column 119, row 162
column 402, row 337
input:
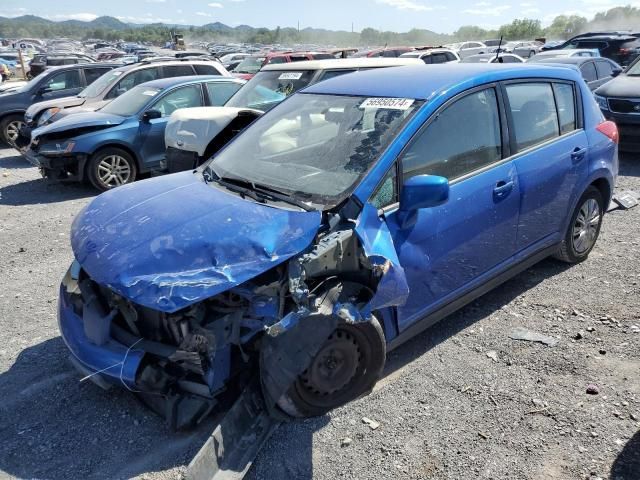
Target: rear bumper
column 112, row 362
column 629, row 129
column 180, row 160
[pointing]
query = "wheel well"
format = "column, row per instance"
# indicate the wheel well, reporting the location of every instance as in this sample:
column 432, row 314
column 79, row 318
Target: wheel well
column 605, row 189
column 9, row 114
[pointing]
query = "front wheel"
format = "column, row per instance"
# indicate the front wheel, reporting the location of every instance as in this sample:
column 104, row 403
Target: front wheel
column 10, row 129
column 347, row 365
column 584, row 228
column 111, row 168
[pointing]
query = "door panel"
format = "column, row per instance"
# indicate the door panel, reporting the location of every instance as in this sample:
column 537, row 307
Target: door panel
column 449, row 246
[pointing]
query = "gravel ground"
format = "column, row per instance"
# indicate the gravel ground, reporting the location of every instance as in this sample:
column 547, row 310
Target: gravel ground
column 462, row 400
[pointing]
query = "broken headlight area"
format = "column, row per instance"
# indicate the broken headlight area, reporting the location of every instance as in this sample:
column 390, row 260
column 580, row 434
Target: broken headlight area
column 303, row 327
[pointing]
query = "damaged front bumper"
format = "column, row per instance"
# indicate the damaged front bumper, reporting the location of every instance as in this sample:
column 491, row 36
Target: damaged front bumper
column 59, row 166
column 111, row 363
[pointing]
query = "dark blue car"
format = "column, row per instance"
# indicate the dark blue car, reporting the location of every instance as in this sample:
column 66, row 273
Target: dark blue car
column 114, row 145
column 56, row 82
column 352, row 216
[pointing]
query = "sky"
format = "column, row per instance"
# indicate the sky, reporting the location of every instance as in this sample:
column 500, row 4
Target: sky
column 395, row 15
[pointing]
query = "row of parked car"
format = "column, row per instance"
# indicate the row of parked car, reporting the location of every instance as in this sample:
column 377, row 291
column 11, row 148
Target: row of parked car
column 164, row 117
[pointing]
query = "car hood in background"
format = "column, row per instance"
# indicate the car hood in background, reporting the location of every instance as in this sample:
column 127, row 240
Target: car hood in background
column 65, row 102
column 622, row 86
column 172, row 241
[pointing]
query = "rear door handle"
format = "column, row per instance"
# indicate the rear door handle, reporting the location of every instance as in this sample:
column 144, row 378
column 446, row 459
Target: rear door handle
column 578, row 154
column 502, row 189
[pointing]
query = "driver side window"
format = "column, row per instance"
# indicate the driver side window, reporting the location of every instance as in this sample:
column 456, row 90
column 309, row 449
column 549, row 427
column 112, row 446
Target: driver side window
column 185, row 97
column 64, row 81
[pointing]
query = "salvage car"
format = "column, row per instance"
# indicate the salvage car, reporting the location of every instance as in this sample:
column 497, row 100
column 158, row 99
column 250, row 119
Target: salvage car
column 251, row 65
column 433, row 55
column 621, row 47
column 619, row 101
column 493, row 58
column 54, row 83
column 547, row 54
column 341, row 223
column 109, row 86
column 465, row 49
column 193, row 135
column 596, row 71
column 114, row 145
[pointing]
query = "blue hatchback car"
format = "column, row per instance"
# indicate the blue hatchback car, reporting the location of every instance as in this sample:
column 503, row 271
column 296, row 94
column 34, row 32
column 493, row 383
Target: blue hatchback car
column 341, row 223
column 125, row 138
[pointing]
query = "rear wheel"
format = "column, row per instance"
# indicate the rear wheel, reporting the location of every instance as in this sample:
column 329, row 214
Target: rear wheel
column 10, row 128
column 584, row 228
column 110, row 168
column 347, row 365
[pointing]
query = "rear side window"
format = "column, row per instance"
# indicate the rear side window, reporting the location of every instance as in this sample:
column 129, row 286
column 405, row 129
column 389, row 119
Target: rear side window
column 450, row 56
column 177, row 71
column 92, row 74
column 439, row 58
column 604, row 69
column 221, row 92
column 441, row 149
column 566, row 106
column 427, row 59
column 133, row 79
column 534, row 113
column 588, row 71
column 183, row 97
column 206, row 70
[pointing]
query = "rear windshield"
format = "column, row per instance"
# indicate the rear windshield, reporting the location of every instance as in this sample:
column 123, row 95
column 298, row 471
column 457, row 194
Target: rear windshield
column 267, row 89
column 249, row 65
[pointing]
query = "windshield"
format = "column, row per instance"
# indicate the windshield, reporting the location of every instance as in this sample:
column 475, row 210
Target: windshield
column 267, row 89
column 249, row 65
column 634, row 69
column 101, row 84
column 314, row 148
column 131, row 102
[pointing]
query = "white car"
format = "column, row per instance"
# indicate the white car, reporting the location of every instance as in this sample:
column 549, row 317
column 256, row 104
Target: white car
column 564, row 52
column 433, row 55
column 465, row 49
column 493, row 58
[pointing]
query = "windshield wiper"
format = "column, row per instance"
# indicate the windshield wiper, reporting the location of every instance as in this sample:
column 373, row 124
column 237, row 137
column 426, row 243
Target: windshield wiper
column 258, row 192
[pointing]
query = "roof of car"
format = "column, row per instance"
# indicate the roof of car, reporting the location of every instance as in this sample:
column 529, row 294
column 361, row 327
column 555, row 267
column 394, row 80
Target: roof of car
column 163, row 83
column 492, row 55
column 341, row 63
column 422, row 81
column 572, row 60
column 74, row 66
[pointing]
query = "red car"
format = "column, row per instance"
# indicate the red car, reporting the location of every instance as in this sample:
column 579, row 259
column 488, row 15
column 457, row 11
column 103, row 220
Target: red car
column 252, row 65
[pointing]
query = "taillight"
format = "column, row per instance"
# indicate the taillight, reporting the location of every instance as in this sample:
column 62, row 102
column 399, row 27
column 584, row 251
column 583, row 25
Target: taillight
column 609, row 129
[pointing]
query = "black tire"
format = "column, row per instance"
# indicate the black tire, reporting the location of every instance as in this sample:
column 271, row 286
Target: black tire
column 584, row 227
column 8, row 125
column 312, row 395
column 123, row 168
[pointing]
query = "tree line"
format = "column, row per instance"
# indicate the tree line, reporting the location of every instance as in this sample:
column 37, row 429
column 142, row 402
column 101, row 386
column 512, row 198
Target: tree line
column 107, row 28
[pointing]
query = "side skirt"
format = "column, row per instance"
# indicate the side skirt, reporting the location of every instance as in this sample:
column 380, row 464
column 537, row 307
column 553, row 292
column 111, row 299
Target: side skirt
column 433, row 318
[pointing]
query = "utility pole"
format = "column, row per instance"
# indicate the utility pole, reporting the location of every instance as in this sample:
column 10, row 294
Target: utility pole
column 298, row 26
column 24, row 72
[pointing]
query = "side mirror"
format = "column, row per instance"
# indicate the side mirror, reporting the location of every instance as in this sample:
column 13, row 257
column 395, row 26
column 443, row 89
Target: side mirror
column 151, row 115
column 421, row 191
column 616, row 72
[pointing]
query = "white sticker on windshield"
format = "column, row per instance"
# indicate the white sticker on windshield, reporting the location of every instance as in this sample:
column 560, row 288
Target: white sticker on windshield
column 391, row 103
column 150, row 93
column 290, row 76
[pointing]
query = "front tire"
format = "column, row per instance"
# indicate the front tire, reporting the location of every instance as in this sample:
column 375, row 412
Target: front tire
column 347, row 366
column 10, row 128
column 584, row 228
column 110, row 168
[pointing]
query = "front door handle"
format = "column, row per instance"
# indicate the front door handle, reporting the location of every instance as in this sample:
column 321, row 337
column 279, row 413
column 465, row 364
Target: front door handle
column 502, row 189
column 578, row 154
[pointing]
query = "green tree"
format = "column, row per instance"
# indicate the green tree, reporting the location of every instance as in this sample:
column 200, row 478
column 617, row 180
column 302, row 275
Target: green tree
column 564, row 26
column 521, row 29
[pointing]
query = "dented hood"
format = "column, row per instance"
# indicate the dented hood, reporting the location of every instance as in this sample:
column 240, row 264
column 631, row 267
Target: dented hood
column 172, row 241
column 192, row 129
column 80, row 120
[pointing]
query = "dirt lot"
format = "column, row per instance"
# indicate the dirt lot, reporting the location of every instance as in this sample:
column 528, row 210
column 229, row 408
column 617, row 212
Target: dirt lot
column 461, row 401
